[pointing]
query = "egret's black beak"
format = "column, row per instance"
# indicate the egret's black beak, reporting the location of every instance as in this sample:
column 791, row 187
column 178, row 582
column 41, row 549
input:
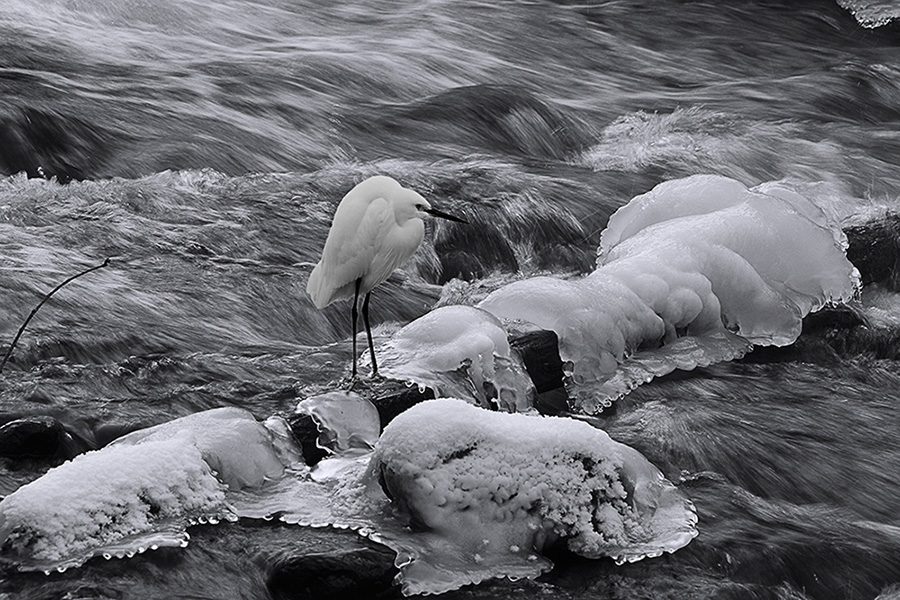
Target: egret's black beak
column 435, row 212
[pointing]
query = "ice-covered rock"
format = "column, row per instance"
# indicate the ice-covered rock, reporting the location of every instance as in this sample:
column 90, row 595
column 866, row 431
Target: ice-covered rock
column 463, row 494
column 240, row 451
column 485, row 492
column 459, row 351
column 139, row 492
column 460, row 493
column 693, row 272
column 347, row 423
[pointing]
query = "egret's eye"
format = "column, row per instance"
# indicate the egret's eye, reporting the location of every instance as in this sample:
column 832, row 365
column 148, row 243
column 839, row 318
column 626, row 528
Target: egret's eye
column 420, row 207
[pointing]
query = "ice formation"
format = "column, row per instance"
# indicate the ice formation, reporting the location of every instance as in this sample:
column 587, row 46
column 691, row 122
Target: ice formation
column 474, row 494
column 347, row 422
column 139, row 492
column 459, row 351
column 471, row 494
column 486, row 492
column 693, row 272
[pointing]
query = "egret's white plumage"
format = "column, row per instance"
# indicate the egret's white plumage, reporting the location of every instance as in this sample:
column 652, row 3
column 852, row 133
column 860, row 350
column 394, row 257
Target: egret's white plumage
column 376, row 228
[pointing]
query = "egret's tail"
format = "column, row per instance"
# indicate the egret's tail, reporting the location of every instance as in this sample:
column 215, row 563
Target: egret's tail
column 317, row 289
column 322, row 289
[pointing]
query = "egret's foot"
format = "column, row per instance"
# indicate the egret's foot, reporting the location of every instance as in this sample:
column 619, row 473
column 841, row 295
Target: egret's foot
column 359, row 383
column 347, row 383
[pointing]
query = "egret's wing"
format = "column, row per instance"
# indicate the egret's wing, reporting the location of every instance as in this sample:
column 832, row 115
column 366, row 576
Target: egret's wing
column 356, row 237
column 397, row 245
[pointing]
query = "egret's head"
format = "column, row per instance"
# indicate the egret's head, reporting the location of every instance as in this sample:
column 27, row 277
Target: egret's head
column 424, row 209
column 406, row 203
column 417, row 206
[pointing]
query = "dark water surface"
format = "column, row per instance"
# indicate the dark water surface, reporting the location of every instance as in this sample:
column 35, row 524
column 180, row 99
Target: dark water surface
column 203, row 148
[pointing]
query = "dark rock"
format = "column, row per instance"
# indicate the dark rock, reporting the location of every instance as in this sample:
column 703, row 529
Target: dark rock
column 833, row 317
column 399, row 398
column 36, row 437
column 539, row 351
column 875, row 251
column 105, row 433
column 366, row 572
column 47, row 144
column 553, row 402
column 829, row 337
column 306, row 433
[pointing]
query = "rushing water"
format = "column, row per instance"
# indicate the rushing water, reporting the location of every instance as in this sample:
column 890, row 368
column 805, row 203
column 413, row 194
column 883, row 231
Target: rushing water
column 203, row 148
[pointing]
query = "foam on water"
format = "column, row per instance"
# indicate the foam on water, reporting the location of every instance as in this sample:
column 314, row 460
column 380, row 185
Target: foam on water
column 691, row 140
column 872, row 14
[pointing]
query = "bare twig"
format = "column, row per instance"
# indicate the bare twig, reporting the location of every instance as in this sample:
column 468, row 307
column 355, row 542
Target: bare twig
column 40, row 304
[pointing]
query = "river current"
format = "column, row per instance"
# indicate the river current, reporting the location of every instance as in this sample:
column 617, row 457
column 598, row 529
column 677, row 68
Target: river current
column 202, row 148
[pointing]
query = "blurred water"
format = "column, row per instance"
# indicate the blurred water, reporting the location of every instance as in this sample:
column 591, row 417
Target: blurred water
column 204, row 147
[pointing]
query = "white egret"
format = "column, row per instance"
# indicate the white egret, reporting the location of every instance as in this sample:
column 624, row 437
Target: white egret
column 376, row 228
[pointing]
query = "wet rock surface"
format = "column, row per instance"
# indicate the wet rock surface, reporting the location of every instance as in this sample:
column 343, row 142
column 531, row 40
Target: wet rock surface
column 36, row 437
column 357, row 572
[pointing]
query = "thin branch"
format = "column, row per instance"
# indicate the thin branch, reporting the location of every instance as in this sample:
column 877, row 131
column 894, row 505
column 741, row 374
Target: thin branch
column 40, row 304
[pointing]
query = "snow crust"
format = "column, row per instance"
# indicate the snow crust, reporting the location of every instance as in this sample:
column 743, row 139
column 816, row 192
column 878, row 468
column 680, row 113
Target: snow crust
column 462, row 494
column 104, row 496
column 237, row 448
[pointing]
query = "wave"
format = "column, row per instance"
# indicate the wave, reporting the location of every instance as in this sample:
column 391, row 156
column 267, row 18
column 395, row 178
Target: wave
column 53, row 146
column 128, row 92
column 696, row 139
column 505, row 118
column 202, row 261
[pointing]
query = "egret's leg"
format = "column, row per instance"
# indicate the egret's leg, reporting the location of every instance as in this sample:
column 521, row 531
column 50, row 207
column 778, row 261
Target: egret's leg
column 353, row 317
column 365, row 312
